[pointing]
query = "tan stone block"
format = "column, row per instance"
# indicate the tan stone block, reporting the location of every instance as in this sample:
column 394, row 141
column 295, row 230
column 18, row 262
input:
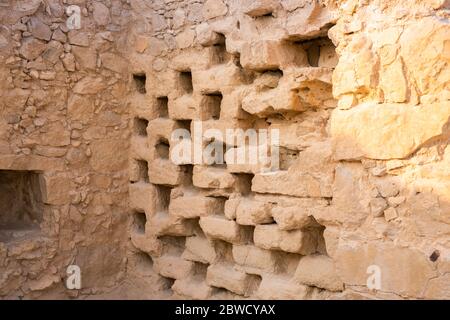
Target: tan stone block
column 331, row 237
column 269, row 55
column 214, row 8
column 272, row 238
column 310, row 21
column 163, row 171
column 282, row 98
column 395, row 130
column 184, row 107
column 114, row 62
column 219, row 78
column 193, row 59
column 56, row 135
column 185, row 38
column 221, row 128
column 192, row 288
column 311, row 175
column 231, row 107
column 357, row 68
column 404, row 270
column 199, row 249
column 393, row 82
column 163, row 83
column 350, row 178
column 30, row 162
column 142, row 196
column 291, row 218
column 105, row 157
column 80, row 108
column 56, row 189
column 253, row 257
column 206, row 36
column 318, row 271
column 328, row 57
column 422, row 66
column 89, row 85
column 230, row 208
column 162, row 224
column 146, row 243
column 438, row 288
column 161, row 128
column 253, row 212
column 390, row 214
column 377, row 206
column 210, row 177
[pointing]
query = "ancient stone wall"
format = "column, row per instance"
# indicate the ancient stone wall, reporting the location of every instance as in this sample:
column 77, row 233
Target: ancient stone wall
column 62, row 121
column 358, row 91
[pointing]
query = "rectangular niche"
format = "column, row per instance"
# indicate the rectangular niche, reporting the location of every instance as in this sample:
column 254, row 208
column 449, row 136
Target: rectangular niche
column 21, row 205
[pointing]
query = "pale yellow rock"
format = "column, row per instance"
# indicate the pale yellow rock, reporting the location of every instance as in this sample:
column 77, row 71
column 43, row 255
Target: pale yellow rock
column 396, row 130
column 253, row 257
column 267, row 55
column 193, row 289
column 217, row 227
column 173, row 267
column 200, row 249
column 251, row 212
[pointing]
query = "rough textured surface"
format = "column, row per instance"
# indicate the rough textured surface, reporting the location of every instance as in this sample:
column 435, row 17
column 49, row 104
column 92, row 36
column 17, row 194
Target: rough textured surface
column 357, row 89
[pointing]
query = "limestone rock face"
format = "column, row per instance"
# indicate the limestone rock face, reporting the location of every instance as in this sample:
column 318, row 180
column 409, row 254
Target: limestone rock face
column 222, row 149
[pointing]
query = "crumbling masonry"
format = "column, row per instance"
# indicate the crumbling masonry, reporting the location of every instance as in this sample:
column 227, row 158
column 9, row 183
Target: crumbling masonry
column 359, row 91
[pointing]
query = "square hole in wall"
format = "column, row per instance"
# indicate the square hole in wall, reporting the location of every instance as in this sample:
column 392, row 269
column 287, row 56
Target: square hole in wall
column 21, row 205
column 140, row 126
column 162, row 107
column 139, row 82
column 186, row 81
